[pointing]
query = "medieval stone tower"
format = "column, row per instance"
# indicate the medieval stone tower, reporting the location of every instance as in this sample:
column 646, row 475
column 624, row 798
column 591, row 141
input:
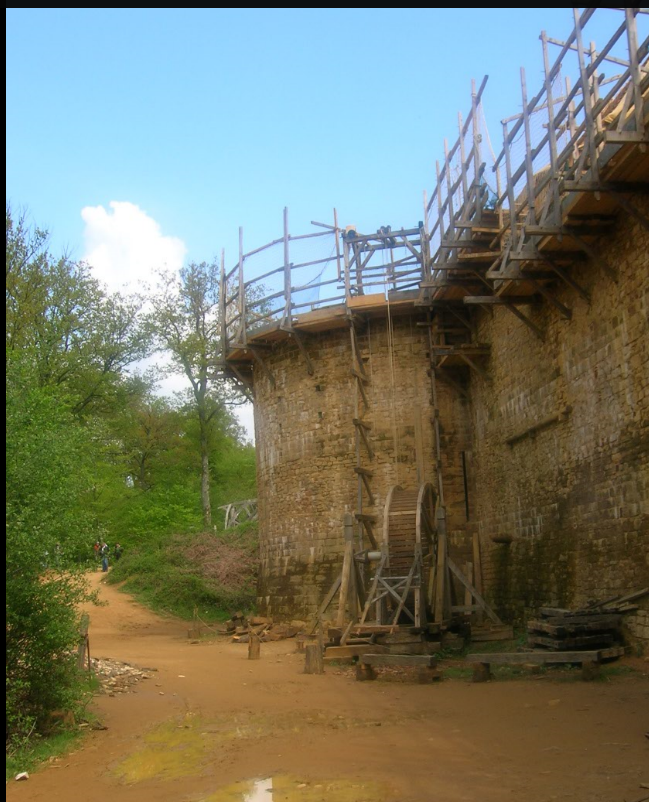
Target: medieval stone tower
column 499, row 351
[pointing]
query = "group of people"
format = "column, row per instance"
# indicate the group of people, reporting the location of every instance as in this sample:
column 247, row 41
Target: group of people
column 102, row 553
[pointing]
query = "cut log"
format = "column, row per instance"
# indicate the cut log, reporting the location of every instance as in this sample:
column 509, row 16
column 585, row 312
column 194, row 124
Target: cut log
column 313, row 663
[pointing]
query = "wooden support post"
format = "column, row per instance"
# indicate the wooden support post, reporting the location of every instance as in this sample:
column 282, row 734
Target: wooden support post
column 529, row 167
column 348, row 283
column 468, row 573
column 567, row 313
column 337, row 241
column 477, row 570
column 449, row 194
column 552, row 134
column 325, row 603
column 313, row 662
column 347, row 568
column 83, row 650
column 263, row 366
column 636, row 76
column 477, row 596
column 222, row 308
column 587, row 99
column 300, row 344
column 254, row 646
column 287, row 271
column 441, row 577
column 365, row 672
column 590, row 670
column 444, row 255
column 242, row 336
column 524, row 319
column 465, row 188
column 511, row 197
column 477, row 158
column 481, row 672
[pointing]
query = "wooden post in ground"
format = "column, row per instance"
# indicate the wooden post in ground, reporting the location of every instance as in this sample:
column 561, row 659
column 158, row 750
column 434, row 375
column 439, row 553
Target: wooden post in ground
column 254, row 647
column 441, row 578
column 468, row 573
column 477, row 570
column 83, row 651
column 347, row 570
column 313, row 662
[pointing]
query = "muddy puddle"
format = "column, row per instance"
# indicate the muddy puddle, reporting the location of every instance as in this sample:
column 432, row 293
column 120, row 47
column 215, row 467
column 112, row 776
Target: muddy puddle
column 181, row 747
column 286, row 788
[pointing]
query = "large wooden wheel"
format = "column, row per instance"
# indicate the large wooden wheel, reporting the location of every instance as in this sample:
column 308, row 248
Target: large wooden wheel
column 408, row 522
column 410, row 547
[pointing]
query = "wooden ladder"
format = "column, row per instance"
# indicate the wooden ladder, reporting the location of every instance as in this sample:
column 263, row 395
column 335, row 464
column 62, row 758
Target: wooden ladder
column 362, row 442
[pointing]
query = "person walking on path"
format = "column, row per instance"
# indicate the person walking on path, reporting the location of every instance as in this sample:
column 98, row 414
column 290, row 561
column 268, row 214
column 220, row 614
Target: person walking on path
column 117, row 552
column 103, row 551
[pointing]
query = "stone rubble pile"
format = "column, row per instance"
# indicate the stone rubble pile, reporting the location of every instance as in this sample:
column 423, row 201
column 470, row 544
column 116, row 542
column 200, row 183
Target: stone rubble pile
column 116, row 677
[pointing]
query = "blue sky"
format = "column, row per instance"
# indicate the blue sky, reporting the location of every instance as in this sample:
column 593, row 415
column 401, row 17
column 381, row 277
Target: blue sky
column 147, row 136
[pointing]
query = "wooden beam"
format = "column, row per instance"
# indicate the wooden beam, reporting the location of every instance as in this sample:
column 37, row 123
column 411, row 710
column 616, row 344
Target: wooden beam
column 508, row 300
column 474, row 366
column 325, row 603
column 567, row 313
column 524, row 319
column 568, row 279
column 348, row 559
column 476, row 595
column 262, row 364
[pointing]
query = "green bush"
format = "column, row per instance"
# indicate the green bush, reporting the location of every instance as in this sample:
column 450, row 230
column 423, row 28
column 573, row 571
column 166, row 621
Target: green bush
column 213, row 574
column 46, row 531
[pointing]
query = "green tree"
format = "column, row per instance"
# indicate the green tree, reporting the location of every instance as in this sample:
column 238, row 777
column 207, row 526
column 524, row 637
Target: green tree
column 67, row 344
column 186, row 323
column 78, row 336
column 48, row 533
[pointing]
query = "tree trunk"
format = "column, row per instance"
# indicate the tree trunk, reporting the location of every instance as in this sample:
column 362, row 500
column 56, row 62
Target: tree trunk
column 205, row 480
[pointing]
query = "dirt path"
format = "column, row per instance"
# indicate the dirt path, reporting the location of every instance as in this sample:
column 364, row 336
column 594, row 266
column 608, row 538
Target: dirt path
column 211, row 726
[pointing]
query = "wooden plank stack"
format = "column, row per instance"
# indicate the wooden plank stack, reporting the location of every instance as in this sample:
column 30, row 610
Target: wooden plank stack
column 242, row 628
column 595, row 626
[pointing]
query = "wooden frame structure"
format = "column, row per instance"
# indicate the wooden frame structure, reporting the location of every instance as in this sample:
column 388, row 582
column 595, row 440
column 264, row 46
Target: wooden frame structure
column 497, row 230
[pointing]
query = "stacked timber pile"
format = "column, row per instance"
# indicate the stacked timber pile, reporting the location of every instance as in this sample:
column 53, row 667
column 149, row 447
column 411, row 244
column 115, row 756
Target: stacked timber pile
column 596, row 626
column 241, row 628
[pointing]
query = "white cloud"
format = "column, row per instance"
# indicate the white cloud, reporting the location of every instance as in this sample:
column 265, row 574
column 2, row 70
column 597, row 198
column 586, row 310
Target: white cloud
column 124, row 246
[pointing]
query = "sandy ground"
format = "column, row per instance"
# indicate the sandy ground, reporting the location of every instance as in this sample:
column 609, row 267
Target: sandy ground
column 212, row 726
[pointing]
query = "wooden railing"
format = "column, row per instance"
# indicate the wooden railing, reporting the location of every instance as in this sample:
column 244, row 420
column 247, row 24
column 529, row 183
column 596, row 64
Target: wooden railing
column 556, row 146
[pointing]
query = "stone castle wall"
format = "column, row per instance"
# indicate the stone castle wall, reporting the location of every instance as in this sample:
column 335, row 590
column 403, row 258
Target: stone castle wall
column 306, row 451
column 573, row 499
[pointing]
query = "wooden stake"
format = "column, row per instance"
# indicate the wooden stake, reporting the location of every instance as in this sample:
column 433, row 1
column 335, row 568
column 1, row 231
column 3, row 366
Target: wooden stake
column 477, row 569
column 442, row 568
column 254, row 647
column 347, row 569
column 313, row 662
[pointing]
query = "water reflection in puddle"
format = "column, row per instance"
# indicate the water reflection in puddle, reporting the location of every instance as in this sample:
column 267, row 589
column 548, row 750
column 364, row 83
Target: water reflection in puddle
column 261, row 790
column 285, row 788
